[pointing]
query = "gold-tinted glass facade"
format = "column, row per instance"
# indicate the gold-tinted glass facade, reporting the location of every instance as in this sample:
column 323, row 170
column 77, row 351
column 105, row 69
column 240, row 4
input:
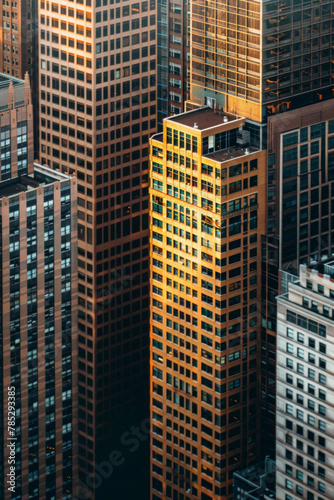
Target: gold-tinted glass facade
column 260, row 58
column 298, row 53
column 226, row 53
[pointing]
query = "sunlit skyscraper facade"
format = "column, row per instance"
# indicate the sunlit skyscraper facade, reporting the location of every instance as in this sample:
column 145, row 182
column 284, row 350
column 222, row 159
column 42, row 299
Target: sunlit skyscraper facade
column 207, row 217
column 97, row 96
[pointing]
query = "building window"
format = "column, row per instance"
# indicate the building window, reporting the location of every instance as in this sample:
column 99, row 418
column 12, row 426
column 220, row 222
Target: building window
column 310, row 420
column 288, row 484
column 290, row 333
column 299, row 490
column 289, row 409
column 300, row 415
column 288, row 469
column 300, row 337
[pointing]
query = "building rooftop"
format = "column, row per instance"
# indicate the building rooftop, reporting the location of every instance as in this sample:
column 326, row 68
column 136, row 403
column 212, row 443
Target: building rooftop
column 42, row 176
column 203, row 118
column 5, row 82
column 6, row 79
column 257, row 482
column 325, row 267
column 17, row 185
column 158, row 137
column 230, row 153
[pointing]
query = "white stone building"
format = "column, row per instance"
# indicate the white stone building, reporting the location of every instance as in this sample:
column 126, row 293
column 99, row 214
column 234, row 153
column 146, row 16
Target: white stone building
column 305, row 386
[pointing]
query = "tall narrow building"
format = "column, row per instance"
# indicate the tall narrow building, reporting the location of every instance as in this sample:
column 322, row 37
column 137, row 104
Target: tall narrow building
column 178, row 56
column 305, row 438
column 173, row 75
column 38, row 312
column 19, row 47
column 98, row 104
column 208, row 187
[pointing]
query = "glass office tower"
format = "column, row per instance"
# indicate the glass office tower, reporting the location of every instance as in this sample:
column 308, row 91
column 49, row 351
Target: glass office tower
column 173, row 77
column 257, row 58
column 300, row 226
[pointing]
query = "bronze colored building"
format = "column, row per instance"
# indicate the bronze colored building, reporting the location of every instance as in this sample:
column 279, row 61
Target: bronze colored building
column 259, row 58
column 38, row 311
column 98, row 104
column 208, row 212
column 17, row 37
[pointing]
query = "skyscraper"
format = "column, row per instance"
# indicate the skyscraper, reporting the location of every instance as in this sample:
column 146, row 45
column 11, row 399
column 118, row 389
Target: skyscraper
column 16, row 121
column 98, row 107
column 304, row 432
column 38, row 312
column 207, row 217
column 300, row 227
column 18, row 37
column 19, row 47
column 258, row 58
column 179, row 56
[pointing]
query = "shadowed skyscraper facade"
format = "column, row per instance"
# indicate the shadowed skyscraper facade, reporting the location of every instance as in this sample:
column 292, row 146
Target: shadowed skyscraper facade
column 173, row 48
